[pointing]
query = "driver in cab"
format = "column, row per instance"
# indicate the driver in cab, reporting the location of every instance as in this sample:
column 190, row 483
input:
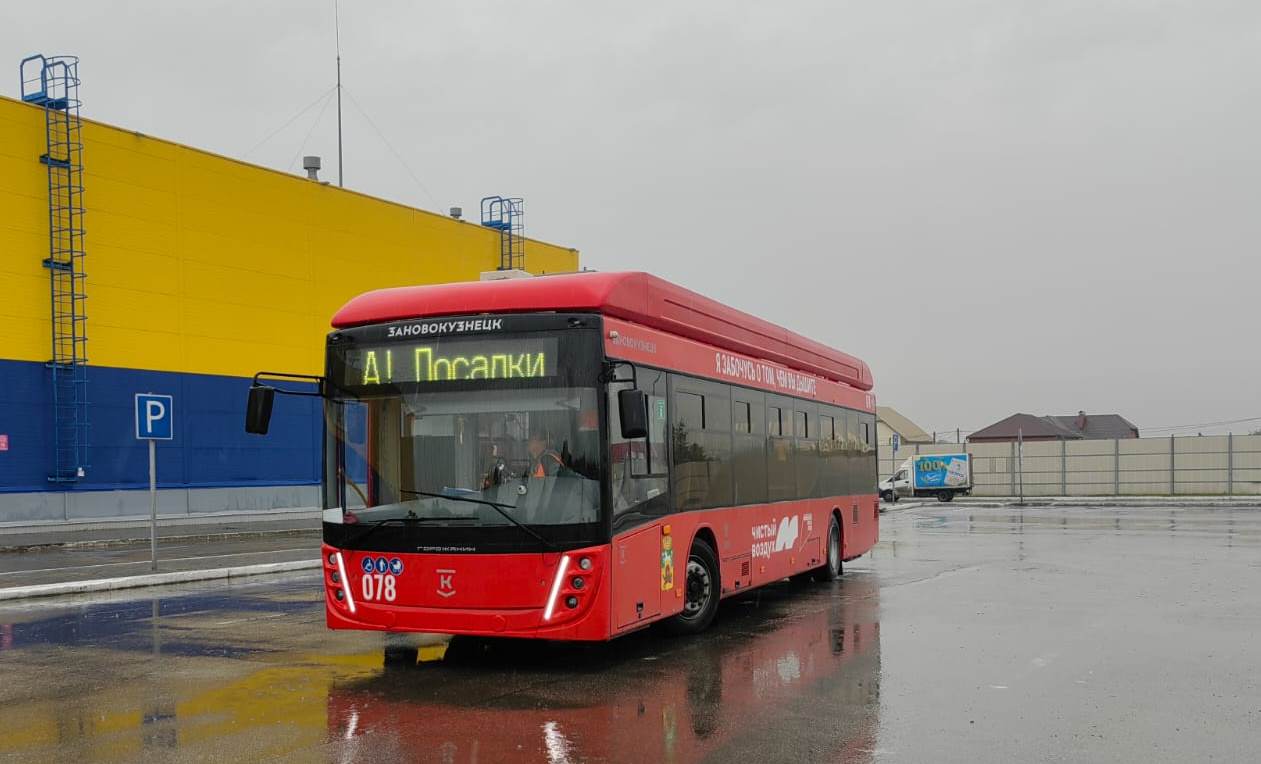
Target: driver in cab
column 545, row 461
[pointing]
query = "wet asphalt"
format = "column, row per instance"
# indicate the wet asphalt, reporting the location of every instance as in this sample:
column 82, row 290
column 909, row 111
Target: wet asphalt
column 56, row 564
column 1047, row 634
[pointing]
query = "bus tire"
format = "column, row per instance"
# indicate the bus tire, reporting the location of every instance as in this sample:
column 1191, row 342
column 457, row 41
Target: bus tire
column 832, row 567
column 701, row 590
column 945, row 497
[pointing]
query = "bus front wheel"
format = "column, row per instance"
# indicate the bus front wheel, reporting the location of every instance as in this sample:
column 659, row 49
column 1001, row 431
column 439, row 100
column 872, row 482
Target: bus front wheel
column 700, row 590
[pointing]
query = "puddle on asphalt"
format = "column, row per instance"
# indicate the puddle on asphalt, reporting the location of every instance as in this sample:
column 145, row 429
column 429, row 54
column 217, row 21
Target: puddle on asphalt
column 799, row 655
column 791, row 668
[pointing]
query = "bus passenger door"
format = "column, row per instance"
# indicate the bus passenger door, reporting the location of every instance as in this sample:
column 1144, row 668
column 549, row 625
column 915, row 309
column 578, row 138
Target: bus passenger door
column 636, row 577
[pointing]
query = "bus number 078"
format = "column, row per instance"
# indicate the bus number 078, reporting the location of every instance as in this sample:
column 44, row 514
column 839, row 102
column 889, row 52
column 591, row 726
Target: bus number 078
column 378, row 586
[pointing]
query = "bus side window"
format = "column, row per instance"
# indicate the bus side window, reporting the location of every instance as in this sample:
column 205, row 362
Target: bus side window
column 638, row 467
column 657, row 460
column 748, row 441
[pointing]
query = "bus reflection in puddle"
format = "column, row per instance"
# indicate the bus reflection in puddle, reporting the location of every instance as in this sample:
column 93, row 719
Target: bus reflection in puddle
column 792, row 675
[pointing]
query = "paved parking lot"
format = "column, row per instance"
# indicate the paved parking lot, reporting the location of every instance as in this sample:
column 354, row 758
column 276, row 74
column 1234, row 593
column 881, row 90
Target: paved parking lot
column 969, row 634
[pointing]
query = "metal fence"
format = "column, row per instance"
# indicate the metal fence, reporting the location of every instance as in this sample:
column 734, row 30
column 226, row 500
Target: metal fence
column 1225, row 465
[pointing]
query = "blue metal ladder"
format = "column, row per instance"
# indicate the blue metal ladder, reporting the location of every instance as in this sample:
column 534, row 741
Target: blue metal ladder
column 506, row 216
column 52, row 82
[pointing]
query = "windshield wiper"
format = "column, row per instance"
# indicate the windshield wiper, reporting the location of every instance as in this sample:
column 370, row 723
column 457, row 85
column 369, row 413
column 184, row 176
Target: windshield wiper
column 385, row 521
column 493, row 505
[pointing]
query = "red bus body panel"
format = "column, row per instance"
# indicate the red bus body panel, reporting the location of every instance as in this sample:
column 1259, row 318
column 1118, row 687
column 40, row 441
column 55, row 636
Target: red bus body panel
column 637, row 297
column 633, row 581
column 480, row 594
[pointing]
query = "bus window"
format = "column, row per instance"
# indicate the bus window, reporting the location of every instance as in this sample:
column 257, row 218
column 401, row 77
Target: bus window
column 638, row 467
column 827, row 427
column 701, row 439
column 748, row 443
column 774, row 421
column 741, row 421
column 806, row 449
column 854, row 453
column 781, row 477
column 832, row 464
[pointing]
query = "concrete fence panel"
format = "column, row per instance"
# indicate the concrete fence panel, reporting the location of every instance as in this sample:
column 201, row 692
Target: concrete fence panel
column 1167, row 466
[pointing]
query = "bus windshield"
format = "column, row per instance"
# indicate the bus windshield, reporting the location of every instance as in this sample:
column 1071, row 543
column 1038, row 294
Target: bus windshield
column 527, row 454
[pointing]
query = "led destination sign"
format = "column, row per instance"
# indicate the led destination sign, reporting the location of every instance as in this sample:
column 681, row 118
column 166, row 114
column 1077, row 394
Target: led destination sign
column 445, row 361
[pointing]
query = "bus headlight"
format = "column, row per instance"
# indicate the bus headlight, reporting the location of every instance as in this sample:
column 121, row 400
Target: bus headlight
column 560, row 578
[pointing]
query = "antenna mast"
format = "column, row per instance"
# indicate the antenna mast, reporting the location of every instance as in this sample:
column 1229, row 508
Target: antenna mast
column 337, row 36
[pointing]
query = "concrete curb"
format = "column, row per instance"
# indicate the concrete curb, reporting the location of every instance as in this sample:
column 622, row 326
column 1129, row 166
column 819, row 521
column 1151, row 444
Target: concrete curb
column 153, row 579
column 1190, row 502
column 886, row 507
column 229, row 517
column 123, row 541
column 1083, row 503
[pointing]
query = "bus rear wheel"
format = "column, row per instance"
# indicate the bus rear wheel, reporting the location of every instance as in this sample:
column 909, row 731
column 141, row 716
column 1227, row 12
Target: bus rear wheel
column 832, row 569
column 700, row 590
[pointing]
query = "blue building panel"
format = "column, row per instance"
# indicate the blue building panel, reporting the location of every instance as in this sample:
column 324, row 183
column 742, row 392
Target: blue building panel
column 210, row 447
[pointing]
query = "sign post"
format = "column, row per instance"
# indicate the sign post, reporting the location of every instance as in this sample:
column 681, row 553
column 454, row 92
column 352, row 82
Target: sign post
column 154, row 414
column 1020, row 463
column 895, row 440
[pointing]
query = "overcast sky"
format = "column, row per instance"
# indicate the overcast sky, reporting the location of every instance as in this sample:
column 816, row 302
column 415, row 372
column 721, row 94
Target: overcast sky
column 1000, row 205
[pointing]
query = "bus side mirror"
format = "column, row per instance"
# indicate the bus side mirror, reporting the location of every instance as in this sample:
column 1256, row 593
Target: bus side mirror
column 633, row 409
column 258, row 409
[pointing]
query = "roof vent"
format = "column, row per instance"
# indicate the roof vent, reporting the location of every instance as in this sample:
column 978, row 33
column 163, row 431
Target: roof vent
column 312, row 167
column 511, row 273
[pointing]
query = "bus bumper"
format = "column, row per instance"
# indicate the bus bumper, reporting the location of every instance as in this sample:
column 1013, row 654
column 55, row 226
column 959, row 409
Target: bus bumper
column 502, row 595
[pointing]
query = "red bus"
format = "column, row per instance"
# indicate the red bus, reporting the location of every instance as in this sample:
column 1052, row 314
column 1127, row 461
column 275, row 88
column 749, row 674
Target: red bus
column 575, row 457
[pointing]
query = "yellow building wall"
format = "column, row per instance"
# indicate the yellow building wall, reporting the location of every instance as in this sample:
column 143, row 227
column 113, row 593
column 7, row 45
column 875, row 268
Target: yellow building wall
column 199, row 263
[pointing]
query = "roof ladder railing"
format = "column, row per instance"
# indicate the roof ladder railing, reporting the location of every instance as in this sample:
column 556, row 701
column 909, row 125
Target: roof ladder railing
column 52, row 83
column 506, row 215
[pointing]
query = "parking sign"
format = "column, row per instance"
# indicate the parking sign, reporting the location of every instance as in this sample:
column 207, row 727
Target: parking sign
column 154, row 415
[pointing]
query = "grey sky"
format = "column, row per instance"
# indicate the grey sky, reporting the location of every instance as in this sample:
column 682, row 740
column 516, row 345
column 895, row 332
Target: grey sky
column 1002, row 206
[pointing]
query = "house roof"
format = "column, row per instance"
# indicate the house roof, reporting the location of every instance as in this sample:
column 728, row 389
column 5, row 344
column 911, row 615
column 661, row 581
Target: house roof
column 1027, row 426
column 1100, row 426
column 907, row 430
column 1097, row 426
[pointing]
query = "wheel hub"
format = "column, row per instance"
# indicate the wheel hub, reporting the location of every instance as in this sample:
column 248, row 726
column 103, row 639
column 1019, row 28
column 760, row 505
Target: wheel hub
column 699, row 589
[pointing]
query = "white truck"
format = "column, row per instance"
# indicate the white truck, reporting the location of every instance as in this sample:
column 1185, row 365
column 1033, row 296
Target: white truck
column 940, row 475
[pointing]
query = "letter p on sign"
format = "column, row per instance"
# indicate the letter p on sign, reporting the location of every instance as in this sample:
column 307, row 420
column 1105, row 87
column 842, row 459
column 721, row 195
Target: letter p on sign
column 154, row 415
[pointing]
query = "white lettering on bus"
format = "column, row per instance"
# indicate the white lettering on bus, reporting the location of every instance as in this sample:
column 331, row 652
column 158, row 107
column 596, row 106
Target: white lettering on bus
column 635, row 343
column 447, row 327
column 761, row 373
column 769, row 538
